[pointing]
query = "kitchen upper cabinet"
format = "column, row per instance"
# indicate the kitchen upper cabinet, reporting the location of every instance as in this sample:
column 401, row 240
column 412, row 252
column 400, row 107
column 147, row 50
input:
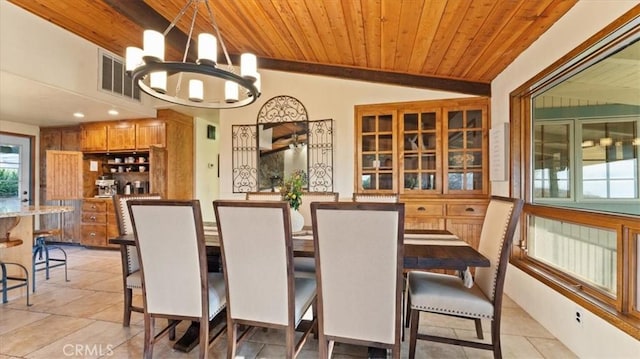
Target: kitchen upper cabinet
column 150, row 132
column 121, row 136
column 94, row 137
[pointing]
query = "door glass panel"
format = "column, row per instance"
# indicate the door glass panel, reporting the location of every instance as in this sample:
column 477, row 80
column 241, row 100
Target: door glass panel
column 368, row 161
column 474, row 119
column 429, row 141
column 474, row 139
column 386, row 181
column 455, row 180
column 455, row 119
column 368, row 123
column 428, row 181
column 15, row 158
column 456, row 140
column 428, row 121
column 410, row 180
column 411, row 162
column 368, row 143
column 385, row 143
column 368, row 181
column 429, row 161
column 411, row 122
column 385, row 123
column 411, row 142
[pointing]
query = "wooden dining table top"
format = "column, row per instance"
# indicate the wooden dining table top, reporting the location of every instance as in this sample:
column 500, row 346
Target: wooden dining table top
column 423, row 249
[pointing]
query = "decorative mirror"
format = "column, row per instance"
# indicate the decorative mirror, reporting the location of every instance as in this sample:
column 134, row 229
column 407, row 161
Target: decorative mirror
column 282, row 141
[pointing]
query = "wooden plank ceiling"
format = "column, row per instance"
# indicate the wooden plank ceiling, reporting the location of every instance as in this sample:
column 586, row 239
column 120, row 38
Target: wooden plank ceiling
column 455, row 45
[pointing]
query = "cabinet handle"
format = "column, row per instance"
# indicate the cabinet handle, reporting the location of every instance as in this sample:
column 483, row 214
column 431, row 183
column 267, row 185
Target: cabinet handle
column 92, row 234
column 469, row 209
column 93, row 218
column 421, row 209
column 93, row 206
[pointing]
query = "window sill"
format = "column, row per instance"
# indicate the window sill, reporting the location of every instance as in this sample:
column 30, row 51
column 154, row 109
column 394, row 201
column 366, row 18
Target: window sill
column 626, row 323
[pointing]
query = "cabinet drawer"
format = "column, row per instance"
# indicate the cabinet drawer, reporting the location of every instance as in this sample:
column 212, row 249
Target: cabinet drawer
column 420, row 222
column 422, row 209
column 94, row 206
column 94, row 217
column 94, row 235
column 466, row 210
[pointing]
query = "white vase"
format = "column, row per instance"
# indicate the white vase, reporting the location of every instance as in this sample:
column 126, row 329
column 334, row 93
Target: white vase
column 297, row 221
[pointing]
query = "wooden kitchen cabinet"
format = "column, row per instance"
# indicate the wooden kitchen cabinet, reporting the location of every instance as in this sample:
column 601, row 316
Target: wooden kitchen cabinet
column 150, row 132
column 98, row 222
column 121, row 136
column 94, row 137
column 433, row 154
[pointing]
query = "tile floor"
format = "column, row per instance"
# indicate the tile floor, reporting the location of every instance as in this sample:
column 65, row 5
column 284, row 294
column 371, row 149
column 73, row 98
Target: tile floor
column 82, row 318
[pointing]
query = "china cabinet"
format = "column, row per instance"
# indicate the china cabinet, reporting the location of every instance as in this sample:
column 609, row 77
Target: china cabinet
column 433, row 154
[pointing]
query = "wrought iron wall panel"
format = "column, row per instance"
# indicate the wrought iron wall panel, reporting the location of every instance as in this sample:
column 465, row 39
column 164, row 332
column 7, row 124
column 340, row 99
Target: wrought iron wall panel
column 245, row 154
column 282, row 109
column 320, row 153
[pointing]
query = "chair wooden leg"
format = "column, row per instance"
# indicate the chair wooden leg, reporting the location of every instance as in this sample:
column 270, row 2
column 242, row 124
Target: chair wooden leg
column 290, row 343
column 413, row 335
column 232, row 333
column 128, row 300
column 148, row 336
column 495, row 339
column 323, row 348
column 204, row 339
column 172, row 330
column 478, row 322
column 408, row 311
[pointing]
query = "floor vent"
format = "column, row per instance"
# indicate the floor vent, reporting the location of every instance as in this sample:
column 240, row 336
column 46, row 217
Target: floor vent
column 114, row 79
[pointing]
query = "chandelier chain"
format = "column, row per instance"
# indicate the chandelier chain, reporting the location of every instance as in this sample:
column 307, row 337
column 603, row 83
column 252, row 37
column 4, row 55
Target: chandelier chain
column 220, row 39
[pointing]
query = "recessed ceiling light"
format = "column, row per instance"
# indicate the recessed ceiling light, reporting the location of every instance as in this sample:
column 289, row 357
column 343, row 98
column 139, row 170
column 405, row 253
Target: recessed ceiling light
column 114, row 112
column 78, row 115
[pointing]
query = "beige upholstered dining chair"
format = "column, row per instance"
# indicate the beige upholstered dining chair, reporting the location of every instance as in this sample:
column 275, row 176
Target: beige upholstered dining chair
column 169, row 237
column 306, row 266
column 130, row 267
column 446, row 294
column 376, row 197
column 261, row 288
column 359, row 256
column 263, row 196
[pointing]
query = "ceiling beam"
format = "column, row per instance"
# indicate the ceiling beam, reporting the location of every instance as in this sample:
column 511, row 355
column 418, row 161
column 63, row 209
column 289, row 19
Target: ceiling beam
column 145, row 16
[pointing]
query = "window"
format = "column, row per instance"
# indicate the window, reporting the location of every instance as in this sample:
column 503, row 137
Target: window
column 577, row 165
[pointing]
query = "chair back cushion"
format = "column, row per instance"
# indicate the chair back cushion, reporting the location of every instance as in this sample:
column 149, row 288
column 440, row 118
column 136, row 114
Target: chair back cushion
column 263, row 196
column 310, row 197
column 495, row 242
column 255, row 238
column 124, row 224
column 359, row 259
column 374, row 197
column 170, row 242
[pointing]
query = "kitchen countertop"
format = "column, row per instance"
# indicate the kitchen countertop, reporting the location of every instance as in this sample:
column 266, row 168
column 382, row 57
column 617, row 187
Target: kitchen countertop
column 19, row 211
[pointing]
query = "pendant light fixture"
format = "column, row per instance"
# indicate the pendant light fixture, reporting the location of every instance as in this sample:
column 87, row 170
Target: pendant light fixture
column 194, row 83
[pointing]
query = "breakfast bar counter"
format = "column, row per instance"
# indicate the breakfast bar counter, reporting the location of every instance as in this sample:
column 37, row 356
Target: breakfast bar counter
column 16, row 224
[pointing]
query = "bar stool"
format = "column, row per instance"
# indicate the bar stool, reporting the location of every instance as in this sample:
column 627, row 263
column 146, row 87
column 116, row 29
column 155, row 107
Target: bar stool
column 23, row 282
column 41, row 248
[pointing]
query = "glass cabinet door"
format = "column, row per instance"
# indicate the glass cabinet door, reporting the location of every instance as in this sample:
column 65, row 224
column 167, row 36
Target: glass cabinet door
column 465, row 152
column 376, row 152
column 419, row 151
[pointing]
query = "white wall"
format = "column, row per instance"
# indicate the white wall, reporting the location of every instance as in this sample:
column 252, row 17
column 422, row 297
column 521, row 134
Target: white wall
column 206, row 183
column 323, row 98
column 595, row 338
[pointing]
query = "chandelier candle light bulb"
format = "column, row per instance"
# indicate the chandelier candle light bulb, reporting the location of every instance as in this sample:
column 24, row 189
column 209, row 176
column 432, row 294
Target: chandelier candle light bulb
column 230, row 92
column 207, row 49
column 196, row 92
column 133, row 58
column 153, row 45
column 158, row 81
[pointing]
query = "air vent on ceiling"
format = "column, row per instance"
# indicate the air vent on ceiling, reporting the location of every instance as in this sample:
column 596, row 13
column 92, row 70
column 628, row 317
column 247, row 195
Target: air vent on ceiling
column 114, row 79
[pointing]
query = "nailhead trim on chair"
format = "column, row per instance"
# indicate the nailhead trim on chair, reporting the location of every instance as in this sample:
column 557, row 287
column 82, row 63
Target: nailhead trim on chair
column 454, row 312
column 497, row 260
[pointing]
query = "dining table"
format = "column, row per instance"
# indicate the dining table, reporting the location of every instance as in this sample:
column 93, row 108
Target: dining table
column 423, row 248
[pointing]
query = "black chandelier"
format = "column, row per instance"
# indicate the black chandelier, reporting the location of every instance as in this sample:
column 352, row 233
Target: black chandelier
column 165, row 80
